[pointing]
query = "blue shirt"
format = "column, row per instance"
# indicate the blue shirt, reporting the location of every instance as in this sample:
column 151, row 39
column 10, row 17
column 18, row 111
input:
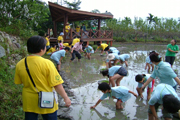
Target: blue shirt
column 57, row 55
column 113, row 70
column 89, row 49
column 159, row 92
column 145, row 79
column 165, row 73
column 120, row 92
column 148, row 60
column 124, row 57
column 116, row 57
column 112, row 49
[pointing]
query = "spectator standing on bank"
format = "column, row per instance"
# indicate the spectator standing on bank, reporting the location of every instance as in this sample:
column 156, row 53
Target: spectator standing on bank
column 172, row 49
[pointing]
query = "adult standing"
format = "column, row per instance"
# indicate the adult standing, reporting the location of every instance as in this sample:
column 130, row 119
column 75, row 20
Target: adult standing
column 75, row 50
column 67, row 29
column 93, row 30
column 172, row 49
column 83, row 27
column 45, row 77
column 47, row 43
column 163, row 71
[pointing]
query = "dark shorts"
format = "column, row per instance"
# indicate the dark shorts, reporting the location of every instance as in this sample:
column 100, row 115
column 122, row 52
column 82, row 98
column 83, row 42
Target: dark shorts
column 122, row 71
column 170, row 59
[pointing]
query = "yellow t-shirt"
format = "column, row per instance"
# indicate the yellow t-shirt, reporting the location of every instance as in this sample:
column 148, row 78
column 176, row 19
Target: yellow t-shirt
column 51, row 50
column 44, row 75
column 60, row 38
column 67, row 28
column 103, row 46
column 66, row 45
column 48, row 43
column 75, row 41
column 77, row 29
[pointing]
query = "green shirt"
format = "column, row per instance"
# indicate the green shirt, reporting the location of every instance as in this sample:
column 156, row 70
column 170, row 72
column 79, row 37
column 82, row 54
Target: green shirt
column 94, row 28
column 172, row 47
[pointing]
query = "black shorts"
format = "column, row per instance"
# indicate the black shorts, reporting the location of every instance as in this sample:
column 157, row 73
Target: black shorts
column 122, row 71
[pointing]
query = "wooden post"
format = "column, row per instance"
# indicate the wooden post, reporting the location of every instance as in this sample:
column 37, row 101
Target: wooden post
column 87, row 42
column 65, row 21
column 71, row 34
column 55, row 29
column 111, row 43
column 99, row 27
column 107, row 42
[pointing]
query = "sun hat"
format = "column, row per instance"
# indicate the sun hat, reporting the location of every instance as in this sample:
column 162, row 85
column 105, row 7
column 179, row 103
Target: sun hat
column 110, row 56
column 67, row 23
column 61, row 33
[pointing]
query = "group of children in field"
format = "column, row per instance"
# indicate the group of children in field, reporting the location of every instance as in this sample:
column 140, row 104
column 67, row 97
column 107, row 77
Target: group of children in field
column 164, row 93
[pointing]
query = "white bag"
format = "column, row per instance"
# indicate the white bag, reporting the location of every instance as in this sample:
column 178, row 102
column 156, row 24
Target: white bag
column 46, row 99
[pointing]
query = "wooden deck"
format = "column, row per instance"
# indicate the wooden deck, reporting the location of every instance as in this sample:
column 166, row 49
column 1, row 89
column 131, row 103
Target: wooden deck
column 87, row 36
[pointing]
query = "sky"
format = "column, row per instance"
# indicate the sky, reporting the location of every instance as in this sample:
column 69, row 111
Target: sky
column 132, row 8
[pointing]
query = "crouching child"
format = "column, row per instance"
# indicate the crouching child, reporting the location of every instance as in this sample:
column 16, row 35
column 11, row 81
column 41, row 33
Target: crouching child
column 121, row 93
column 165, row 95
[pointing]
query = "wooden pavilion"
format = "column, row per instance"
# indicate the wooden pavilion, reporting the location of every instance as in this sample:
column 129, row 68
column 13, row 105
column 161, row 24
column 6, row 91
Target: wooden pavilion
column 63, row 14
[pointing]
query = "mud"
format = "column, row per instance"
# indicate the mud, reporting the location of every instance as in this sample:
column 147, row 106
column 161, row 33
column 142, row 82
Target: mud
column 82, row 77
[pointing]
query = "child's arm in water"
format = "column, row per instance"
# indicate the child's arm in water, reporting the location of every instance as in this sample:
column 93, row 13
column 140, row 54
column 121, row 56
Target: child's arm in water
column 133, row 93
column 96, row 104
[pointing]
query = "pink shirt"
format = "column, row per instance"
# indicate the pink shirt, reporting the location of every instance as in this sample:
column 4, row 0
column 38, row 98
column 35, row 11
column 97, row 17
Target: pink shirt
column 77, row 46
column 60, row 46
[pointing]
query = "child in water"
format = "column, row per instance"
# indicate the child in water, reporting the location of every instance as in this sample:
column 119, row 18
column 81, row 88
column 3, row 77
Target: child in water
column 141, row 79
column 88, row 51
column 121, row 93
column 149, row 63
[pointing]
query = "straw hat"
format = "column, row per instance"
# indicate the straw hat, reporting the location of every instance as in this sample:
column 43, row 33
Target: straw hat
column 110, row 56
column 67, row 23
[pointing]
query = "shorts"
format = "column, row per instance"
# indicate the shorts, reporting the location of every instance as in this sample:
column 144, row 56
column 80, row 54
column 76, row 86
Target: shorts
column 122, row 71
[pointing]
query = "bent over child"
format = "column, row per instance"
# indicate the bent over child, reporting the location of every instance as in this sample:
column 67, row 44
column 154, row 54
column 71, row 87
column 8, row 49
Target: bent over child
column 121, row 93
column 141, row 79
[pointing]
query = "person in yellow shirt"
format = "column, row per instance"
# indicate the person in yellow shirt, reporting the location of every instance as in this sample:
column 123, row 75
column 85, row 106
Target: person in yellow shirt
column 48, row 42
column 46, row 78
column 67, row 45
column 60, row 37
column 103, row 47
column 67, row 27
column 75, row 41
column 78, row 30
column 51, row 50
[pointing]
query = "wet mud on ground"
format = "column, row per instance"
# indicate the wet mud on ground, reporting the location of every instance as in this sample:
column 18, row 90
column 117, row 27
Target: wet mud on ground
column 81, row 82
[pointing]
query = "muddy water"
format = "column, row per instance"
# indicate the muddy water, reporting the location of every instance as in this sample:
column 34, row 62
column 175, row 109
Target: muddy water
column 84, row 81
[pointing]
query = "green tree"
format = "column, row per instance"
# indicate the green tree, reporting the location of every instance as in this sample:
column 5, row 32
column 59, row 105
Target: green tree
column 73, row 5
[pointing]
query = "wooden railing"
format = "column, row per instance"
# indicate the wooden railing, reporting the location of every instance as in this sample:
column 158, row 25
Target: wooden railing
column 90, row 35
